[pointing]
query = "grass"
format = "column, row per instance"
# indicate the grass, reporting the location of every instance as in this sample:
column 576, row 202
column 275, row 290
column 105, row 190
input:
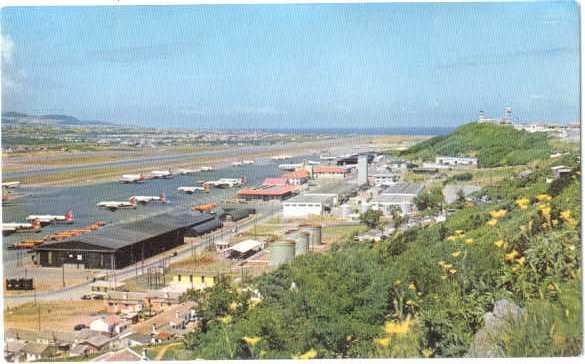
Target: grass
column 58, row 316
column 331, row 234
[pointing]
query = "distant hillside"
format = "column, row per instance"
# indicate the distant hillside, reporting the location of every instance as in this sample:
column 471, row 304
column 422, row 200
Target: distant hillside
column 493, row 145
column 11, row 117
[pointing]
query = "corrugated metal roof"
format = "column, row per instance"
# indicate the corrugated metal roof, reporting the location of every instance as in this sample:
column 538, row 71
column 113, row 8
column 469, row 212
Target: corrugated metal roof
column 117, row 236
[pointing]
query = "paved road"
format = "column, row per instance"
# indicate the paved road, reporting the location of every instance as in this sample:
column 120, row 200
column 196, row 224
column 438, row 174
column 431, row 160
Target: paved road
column 265, row 212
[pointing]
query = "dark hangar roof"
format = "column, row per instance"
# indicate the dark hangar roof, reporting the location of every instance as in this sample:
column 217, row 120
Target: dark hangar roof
column 118, row 236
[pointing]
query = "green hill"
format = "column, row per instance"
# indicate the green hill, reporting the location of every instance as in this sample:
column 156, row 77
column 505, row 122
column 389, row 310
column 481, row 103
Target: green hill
column 493, row 145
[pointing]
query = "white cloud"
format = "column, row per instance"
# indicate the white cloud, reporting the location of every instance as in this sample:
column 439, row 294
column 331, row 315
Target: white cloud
column 11, row 76
column 7, row 46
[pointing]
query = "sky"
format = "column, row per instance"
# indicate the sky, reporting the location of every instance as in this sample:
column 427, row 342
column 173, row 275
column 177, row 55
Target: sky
column 294, row 66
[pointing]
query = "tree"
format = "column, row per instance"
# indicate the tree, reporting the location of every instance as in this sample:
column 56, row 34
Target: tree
column 371, row 218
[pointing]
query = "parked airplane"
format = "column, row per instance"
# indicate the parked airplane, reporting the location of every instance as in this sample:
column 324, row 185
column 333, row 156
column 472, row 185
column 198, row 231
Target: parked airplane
column 132, row 178
column 161, row 174
column 247, row 162
column 290, row 166
column 10, row 184
column 192, row 189
column 67, row 218
column 207, row 169
column 17, row 227
column 280, row 157
column 313, row 163
column 147, row 199
column 114, row 205
column 185, row 171
column 226, row 182
column 327, row 157
column 236, row 164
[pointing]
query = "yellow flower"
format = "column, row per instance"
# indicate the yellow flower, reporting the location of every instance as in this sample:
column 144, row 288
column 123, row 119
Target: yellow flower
column 442, row 263
column 510, row 256
column 410, row 302
column 499, row 243
column 443, row 277
column 348, row 338
column 543, row 197
column 451, row 238
column 448, row 266
column 397, row 327
column 492, row 222
column 565, row 214
column 308, row 355
column 521, row 261
column 225, row 319
column 456, row 254
column 498, row 214
column 427, row 352
column 233, row 306
column 459, row 232
column 397, row 283
column 251, row 340
column 412, row 286
column 383, row 342
column 514, row 269
column 551, row 287
column 468, row 241
column 452, row 271
column 523, row 203
column 254, row 301
column 545, row 210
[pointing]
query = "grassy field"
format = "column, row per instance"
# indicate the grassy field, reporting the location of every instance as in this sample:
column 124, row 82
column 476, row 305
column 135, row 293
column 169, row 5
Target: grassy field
column 58, row 316
column 331, row 234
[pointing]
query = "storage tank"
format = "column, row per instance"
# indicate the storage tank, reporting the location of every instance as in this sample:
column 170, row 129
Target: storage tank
column 315, row 233
column 302, row 241
column 282, row 252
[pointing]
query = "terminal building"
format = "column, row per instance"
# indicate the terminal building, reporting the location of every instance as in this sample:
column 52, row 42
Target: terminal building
column 119, row 245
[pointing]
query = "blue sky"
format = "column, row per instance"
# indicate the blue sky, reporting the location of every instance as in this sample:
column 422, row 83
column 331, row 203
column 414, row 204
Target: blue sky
column 287, row 66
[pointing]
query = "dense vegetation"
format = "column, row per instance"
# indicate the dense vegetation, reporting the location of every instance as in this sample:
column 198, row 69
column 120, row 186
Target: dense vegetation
column 422, row 292
column 493, row 145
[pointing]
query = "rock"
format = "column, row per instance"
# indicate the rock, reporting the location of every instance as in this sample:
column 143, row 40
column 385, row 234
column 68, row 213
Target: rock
column 485, row 341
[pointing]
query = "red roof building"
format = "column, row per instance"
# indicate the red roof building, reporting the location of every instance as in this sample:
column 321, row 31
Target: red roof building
column 275, row 181
column 329, row 171
column 297, row 177
column 266, row 193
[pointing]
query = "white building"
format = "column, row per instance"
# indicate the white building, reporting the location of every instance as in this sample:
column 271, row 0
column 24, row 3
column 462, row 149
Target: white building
column 384, row 179
column 400, row 195
column 305, row 205
column 362, row 178
column 456, row 161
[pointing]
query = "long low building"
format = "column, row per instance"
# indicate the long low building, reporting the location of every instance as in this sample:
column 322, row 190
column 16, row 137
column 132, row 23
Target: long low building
column 306, row 205
column 119, row 245
column 267, row 193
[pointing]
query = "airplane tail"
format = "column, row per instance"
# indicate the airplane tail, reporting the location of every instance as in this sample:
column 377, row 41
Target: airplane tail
column 36, row 224
column 163, row 198
column 69, row 215
column 132, row 200
column 243, row 179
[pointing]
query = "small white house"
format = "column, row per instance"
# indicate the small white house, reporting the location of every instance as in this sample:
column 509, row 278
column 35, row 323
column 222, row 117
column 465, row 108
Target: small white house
column 456, row 161
column 111, row 324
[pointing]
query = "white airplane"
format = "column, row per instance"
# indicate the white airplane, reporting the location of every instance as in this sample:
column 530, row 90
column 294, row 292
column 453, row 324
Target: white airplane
column 17, row 227
column 226, row 182
column 236, row 164
column 10, row 184
column 313, row 163
column 67, row 218
column 146, row 199
column 132, row 178
column 161, row 174
column 326, row 157
column 289, row 166
column 185, row 171
column 192, row 189
column 114, row 205
column 280, row 157
column 247, row 162
column 207, row 169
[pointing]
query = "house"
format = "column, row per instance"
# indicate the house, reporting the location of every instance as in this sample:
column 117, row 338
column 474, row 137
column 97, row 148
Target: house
column 451, row 192
column 559, row 171
column 125, row 302
column 135, row 339
column 330, row 172
column 80, row 350
column 191, row 279
column 36, row 351
column 123, row 355
column 13, row 351
column 298, row 177
column 96, row 342
column 384, row 179
column 275, row 181
column 456, row 161
column 111, row 324
column 305, row 205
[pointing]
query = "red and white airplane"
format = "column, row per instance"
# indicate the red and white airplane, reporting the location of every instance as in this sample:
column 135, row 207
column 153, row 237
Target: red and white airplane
column 114, row 205
column 146, row 199
column 193, row 189
column 18, row 227
column 53, row 219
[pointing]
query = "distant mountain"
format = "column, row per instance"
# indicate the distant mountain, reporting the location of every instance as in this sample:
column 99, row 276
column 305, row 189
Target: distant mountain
column 11, row 117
